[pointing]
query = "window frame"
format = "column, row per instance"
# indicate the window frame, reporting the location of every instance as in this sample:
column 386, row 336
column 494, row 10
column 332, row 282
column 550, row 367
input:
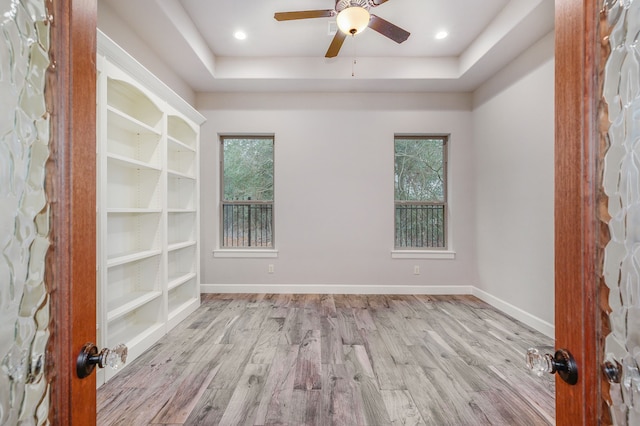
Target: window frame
column 443, row 251
column 248, row 251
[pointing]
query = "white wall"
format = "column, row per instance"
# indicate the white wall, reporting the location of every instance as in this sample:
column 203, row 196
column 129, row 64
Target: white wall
column 334, row 188
column 513, row 122
column 117, row 30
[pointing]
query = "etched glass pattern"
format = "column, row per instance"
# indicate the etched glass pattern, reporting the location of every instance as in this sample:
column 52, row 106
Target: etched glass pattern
column 24, row 212
column 621, row 182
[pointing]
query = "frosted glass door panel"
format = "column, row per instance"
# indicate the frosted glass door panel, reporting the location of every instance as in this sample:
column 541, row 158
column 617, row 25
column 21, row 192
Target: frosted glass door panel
column 24, row 212
column 621, row 181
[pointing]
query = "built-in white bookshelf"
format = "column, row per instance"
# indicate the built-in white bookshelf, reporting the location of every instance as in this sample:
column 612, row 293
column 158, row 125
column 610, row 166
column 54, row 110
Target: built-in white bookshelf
column 148, row 217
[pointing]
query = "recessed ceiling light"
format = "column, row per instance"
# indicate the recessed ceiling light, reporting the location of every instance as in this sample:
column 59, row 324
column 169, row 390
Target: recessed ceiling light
column 441, row 35
column 240, row 35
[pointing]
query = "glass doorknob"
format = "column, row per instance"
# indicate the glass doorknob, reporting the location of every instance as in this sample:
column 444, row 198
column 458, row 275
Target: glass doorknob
column 540, row 361
column 612, row 370
column 625, row 373
column 89, row 357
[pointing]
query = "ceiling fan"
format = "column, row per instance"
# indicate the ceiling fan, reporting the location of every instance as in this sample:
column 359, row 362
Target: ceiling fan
column 352, row 17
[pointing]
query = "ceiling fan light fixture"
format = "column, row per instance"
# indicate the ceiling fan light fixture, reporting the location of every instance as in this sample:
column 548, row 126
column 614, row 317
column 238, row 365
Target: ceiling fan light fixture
column 353, row 20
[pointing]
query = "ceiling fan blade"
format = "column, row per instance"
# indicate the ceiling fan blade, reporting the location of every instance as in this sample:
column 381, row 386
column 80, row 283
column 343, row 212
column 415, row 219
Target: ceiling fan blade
column 304, row 14
column 336, row 44
column 388, row 29
column 378, row 2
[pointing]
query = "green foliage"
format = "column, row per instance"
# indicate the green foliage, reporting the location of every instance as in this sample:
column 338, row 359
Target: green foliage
column 248, row 169
column 419, row 169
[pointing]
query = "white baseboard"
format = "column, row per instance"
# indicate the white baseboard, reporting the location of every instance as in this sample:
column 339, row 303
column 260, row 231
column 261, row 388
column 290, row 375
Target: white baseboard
column 532, row 321
column 332, row 289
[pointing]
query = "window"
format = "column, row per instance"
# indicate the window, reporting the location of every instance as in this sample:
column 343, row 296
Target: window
column 420, row 192
column 247, row 191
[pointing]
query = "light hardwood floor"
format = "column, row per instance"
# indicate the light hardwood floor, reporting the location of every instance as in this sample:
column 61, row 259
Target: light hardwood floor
column 335, row 360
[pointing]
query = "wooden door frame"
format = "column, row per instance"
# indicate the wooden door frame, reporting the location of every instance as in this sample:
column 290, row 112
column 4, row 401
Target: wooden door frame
column 578, row 232
column 71, row 191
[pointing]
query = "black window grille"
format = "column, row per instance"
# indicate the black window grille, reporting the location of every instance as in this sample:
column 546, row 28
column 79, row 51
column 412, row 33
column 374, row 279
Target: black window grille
column 247, row 224
column 420, row 225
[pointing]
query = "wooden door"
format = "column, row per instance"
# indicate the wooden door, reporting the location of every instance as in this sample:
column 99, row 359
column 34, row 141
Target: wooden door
column 71, row 184
column 47, row 264
column 582, row 206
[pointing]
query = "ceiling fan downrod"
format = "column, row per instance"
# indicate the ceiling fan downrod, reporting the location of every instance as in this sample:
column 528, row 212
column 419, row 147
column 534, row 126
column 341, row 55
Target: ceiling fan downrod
column 344, row 4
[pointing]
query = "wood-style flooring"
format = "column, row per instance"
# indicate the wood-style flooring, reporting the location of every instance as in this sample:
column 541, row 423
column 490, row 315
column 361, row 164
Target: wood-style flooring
column 335, row 360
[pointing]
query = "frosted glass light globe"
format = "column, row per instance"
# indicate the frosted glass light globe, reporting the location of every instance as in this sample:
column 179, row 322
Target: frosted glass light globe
column 353, row 20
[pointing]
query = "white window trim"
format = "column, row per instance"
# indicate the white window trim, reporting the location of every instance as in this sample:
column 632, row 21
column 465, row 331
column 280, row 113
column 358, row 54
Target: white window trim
column 423, row 254
column 245, row 253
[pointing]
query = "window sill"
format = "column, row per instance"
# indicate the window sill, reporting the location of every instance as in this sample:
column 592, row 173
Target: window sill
column 423, row 254
column 245, row 253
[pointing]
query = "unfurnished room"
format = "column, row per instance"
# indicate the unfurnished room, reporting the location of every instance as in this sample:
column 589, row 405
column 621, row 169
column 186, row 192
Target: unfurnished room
column 319, row 212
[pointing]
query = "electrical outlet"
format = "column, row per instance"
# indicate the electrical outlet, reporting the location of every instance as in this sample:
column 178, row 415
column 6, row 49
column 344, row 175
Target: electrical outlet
column 416, row 270
column 271, row 269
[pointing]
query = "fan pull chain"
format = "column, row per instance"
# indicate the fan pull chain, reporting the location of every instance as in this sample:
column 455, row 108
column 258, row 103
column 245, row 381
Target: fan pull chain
column 355, row 51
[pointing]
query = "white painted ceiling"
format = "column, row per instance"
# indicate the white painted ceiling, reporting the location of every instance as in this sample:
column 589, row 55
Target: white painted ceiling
column 195, row 38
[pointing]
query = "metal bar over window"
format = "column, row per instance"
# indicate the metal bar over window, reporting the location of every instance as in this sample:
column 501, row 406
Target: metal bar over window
column 247, row 224
column 420, row 225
